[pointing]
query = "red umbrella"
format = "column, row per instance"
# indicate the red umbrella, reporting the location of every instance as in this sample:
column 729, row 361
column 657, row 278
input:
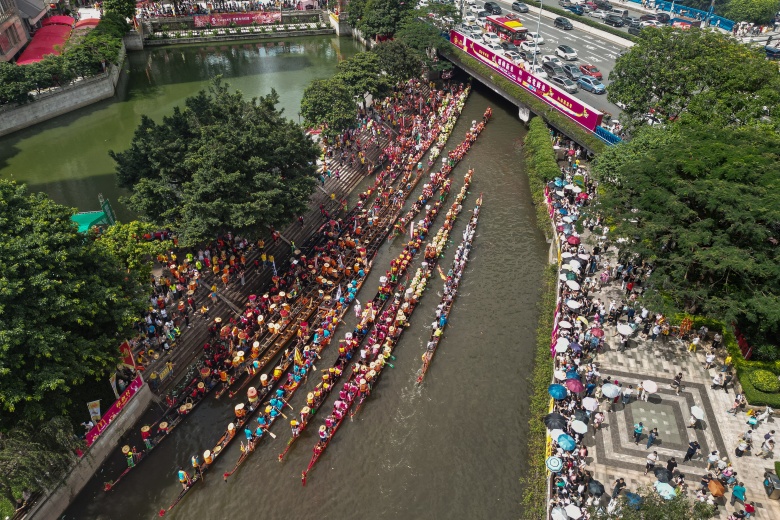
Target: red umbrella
column 573, row 240
column 597, row 332
column 575, row 385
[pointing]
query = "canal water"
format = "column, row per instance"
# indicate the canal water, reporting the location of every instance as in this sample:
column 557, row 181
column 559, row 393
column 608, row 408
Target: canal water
column 453, row 448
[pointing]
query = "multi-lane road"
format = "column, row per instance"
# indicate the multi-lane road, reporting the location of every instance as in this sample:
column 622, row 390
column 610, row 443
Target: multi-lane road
column 590, row 49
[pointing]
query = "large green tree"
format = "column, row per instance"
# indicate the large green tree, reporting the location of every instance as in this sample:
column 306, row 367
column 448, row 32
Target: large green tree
column 398, row 60
column 382, row 17
column 756, row 11
column 125, row 8
column 423, row 38
column 703, row 75
column 328, row 104
column 702, row 205
column 362, row 73
column 130, row 248
column 64, row 306
column 220, row 163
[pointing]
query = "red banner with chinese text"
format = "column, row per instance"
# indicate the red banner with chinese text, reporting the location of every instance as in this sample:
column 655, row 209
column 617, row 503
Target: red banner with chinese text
column 115, row 409
column 225, row 19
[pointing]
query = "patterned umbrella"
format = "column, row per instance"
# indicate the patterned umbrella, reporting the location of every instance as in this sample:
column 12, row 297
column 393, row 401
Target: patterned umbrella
column 554, row 464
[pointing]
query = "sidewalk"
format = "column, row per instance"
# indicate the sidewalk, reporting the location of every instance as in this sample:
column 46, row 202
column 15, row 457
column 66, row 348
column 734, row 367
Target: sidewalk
column 615, row 455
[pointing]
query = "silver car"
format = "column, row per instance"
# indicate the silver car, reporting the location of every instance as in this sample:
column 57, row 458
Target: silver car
column 564, row 83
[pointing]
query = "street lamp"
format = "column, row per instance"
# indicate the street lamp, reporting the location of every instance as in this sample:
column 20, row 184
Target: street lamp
column 538, row 26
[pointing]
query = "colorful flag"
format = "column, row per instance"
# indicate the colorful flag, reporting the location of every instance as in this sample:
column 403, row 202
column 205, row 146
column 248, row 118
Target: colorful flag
column 298, row 357
column 94, row 410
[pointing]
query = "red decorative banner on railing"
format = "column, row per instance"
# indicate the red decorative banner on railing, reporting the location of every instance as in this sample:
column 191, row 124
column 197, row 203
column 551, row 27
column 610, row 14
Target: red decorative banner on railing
column 225, row 19
column 567, row 105
column 112, row 412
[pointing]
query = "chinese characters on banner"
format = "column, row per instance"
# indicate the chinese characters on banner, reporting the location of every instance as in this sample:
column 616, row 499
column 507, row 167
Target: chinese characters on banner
column 567, row 105
column 225, row 19
column 115, row 409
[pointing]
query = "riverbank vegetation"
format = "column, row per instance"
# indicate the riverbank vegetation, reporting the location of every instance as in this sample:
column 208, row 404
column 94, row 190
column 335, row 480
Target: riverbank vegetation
column 541, row 167
column 65, row 300
column 80, row 58
column 260, row 175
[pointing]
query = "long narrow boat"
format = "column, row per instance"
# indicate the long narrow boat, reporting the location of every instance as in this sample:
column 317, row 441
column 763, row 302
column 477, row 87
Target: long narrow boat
column 359, row 379
column 449, row 292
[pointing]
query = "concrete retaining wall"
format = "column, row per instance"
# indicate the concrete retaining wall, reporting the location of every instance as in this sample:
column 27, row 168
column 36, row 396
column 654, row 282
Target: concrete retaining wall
column 239, row 36
column 53, row 504
column 61, row 101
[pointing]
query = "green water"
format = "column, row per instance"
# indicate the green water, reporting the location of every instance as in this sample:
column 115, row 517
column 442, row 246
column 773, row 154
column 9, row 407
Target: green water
column 67, row 157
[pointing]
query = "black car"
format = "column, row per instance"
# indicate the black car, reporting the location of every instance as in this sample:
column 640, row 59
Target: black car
column 552, row 69
column 634, row 29
column 603, row 4
column 492, row 8
column 509, row 46
column 663, row 17
column 525, row 56
column 563, row 23
column 520, row 7
column 613, row 20
column 483, row 14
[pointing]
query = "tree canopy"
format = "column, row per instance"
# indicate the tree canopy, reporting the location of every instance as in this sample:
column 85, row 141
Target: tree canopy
column 424, row 39
column 125, row 8
column 64, row 305
column 382, row 17
column 701, row 75
column 654, row 507
column 362, row 73
column 756, row 11
column 701, row 203
column 219, row 163
column 398, row 60
column 328, row 104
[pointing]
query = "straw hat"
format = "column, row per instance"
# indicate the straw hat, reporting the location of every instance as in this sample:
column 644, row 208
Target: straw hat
column 125, row 449
column 252, row 392
column 207, row 454
column 163, row 425
column 217, row 449
column 310, row 395
column 182, row 408
column 239, row 407
column 264, row 377
column 218, row 320
column 256, row 344
column 188, row 406
column 145, row 429
column 201, row 385
column 282, row 294
column 305, row 410
column 323, row 428
column 231, row 427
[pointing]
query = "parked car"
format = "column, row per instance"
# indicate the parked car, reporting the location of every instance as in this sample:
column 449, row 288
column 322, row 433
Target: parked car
column 591, row 85
column 494, row 47
column 491, row 38
column 538, row 71
column 631, row 20
column 613, row 20
column 564, row 83
column 576, row 9
column 482, row 14
column 590, row 70
column 635, row 29
column 772, row 53
column 563, row 23
column 469, row 19
column 552, row 69
column 565, row 3
column 572, row 71
column 603, row 4
column 525, row 56
column 512, row 55
column 646, row 17
column 475, row 9
column 529, row 46
column 509, row 46
column 566, row 52
column 664, row 18
column 598, row 13
column 651, row 23
column 535, row 37
column 520, row 7
column 493, row 8
column 552, row 59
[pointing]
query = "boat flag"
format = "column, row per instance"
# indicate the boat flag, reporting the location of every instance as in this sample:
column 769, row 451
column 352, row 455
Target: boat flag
column 298, row 357
column 441, row 273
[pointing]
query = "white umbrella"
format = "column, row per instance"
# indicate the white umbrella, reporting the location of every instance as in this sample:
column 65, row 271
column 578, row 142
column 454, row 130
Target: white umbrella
column 574, row 286
column 610, row 390
column 559, row 193
column 573, row 304
column 584, row 256
column 564, row 325
column 697, row 412
column 650, row 386
column 576, row 189
column 573, row 511
column 624, row 329
column 575, row 264
column 561, row 348
column 562, row 341
column 554, row 434
column 569, row 187
column 579, row 427
column 567, row 219
column 590, row 404
column 558, row 513
column 567, row 255
column 562, row 277
column 560, row 375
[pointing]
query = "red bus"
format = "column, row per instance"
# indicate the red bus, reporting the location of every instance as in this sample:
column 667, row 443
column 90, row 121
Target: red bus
column 508, row 29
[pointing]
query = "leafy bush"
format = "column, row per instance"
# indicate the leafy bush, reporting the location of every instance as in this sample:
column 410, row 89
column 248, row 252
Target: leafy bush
column 767, row 352
column 764, row 381
column 541, row 167
column 753, row 395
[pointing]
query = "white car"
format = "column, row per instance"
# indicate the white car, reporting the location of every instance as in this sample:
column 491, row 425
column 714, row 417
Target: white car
column 475, row 8
column 530, row 47
column 491, row 38
column 552, row 59
column 535, row 37
column 650, row 23
column 469, row 20
column 481, row 22
column 566, row 52
column 512, row 55
column 494, row 47
column 471, row 2
column 538, row 71
column 598, row 13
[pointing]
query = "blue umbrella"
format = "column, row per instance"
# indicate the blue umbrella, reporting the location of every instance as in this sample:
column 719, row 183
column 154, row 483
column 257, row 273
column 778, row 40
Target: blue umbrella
column 557, row 392
column 563, row 211
column 554, row 464
column 566, row 442
column 665, row 490
column 634, row 500
column 572, row 373
column 558, row 182
column 575, row 347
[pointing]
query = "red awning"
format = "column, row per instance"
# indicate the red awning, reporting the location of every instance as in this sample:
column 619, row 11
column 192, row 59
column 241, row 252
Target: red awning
column 59, row 20
column 87, row 22
column 43, row 43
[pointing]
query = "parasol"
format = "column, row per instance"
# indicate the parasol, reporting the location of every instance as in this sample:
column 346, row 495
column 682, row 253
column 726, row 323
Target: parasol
column 579, row 415
column 573, row 240
column 610, row 390
column 566, row 442
column 576, row 347
column 574, row 286
column 558, row 182
column 650, row 386
column 554, row 420
column 558, row 513
column 568, row 219
column 624, row 329
column 571, row 276
column 562, row 341
column 573, row 304
column 579, row 427
column 557, row 392
column 634, row 500
column 562, row 277
column 560, row 375
column 716, row 487
column 596, row 488
column 662, row 474
column 590, row 404
column 575, row 264
column 564, row 324
column 554, row 464
column 665, row 490
column 584, row 256
column 557, row 432
column 560, row 348
column 575, row 385
column 567, row 255
column 599, row 333
column 697, row 412
column 573, row 511
column 576, row 189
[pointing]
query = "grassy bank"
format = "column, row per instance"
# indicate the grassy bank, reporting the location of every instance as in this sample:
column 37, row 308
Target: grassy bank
column 541, row 167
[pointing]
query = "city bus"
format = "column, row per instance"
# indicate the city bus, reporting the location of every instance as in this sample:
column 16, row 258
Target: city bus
column 508, row 29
